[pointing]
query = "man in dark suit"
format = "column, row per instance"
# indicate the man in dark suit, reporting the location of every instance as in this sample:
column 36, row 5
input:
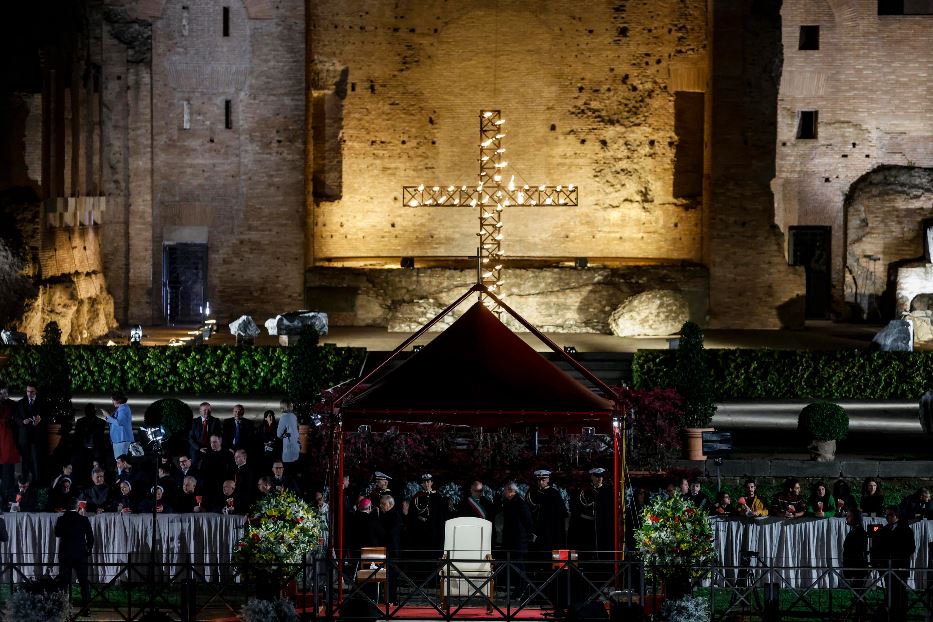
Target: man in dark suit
column 202, row 428
column 76, row 541
column 216, row 466
column 390, row 520
column 185, row 469
column 33, row 433
column 244, row 477
column 517, row 534
column 239, row 432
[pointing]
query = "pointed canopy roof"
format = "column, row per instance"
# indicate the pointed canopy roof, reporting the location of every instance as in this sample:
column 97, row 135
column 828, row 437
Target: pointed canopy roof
column 480, row 368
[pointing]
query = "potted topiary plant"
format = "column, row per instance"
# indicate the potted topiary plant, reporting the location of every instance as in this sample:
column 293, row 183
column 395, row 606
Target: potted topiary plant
column 694, row 383
column 822, row 424
column 54, row 376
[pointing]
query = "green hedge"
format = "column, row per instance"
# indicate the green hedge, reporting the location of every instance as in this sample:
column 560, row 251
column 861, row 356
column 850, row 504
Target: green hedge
column 239, row 370
column 805, row 374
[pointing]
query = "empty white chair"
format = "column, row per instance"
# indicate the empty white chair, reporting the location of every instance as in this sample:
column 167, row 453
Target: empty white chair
column 467, row 571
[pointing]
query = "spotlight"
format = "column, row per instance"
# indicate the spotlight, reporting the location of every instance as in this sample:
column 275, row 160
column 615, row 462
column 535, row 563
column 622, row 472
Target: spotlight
column 417, row 348
column 588, row 431
column 570, row 349
column 136, row 335
column 581, row 262
column 363, row 429
column 408, row 262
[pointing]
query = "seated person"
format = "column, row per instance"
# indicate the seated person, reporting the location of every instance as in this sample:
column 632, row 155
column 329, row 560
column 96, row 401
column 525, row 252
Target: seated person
column 264, row 486
column 97, row 497
column 723, row 505
column 872, row 502
column 280, row 481
column 26, row 498
column 917, row 505
column 230, row 502
column 788, row 503
column 844, row 499
column 189, row 499
column 123, row 501
column 67, row 470
column 753, row 505
column 698, row 498
column 62, row 497
column 821, row 504
column 157, row 504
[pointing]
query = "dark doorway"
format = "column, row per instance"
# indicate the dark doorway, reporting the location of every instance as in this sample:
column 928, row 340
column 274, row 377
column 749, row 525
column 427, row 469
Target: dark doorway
column 184, row 282
column 810, row 247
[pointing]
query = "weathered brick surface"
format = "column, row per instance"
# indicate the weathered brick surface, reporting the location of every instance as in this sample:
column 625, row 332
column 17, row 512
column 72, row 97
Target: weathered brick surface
column 584, row 88
column 870, row 82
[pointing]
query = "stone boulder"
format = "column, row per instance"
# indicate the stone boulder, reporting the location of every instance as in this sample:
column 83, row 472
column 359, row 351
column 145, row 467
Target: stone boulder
column 897, row 336
column 409, row 317
column 244, row 327
column 292, row 323
column 922, row 322
column 654, row 313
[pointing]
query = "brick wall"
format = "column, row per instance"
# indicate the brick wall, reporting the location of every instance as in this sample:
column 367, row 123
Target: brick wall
column 869, row 81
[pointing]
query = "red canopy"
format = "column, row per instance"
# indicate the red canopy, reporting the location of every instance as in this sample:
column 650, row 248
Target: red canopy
column 477, row 367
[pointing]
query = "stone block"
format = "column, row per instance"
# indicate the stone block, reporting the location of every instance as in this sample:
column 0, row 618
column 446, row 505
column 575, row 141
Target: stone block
column 905, row 468
column 740, row 468
column 652, row 313
column 859, row 468
column 805, row 468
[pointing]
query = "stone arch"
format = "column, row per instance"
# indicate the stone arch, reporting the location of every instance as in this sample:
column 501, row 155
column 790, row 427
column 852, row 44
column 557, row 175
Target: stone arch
column 884, row 212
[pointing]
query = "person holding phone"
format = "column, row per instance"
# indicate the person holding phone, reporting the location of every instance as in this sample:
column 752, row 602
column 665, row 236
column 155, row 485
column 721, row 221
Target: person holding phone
column 121, row 425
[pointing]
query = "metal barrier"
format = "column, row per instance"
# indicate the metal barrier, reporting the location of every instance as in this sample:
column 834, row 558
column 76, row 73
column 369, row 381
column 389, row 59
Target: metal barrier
column 515, row 588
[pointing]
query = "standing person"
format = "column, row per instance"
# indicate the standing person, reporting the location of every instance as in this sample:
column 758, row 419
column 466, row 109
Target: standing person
column 244, row 477
column 202, row 429
column 76, row 541
column 33, row 432
column 391, row 522
column 855, row 558
column 238, row 431
column 425, row 521
column 517, row 530
column 549, row 514
column 477, row 504
column 121, row 425
column 891, row 551
column 595, row 516
column 91, row 443
column 382, row 488
column 9, row 452
column 268, row 436
column 287, row 430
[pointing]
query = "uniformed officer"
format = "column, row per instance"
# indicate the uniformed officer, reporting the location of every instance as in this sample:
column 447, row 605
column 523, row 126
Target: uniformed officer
column 382, row 488
column 595, row 515
column 425, row 521
column 549, row 514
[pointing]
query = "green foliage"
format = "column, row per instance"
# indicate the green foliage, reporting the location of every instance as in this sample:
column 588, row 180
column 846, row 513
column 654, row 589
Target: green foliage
column 53, row 375
column 692, row 378
column 282, row 529
column 687, row 609
column 217, row 370
column 278, row 610
column 41, row 600
column 823, row 421
column 799, row 374
column 304, row 369
column 172, row 414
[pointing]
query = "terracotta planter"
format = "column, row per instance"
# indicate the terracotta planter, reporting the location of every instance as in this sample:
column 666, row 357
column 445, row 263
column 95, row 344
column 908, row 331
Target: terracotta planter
column 55, row 436
column 304, row 437
column 693, row 443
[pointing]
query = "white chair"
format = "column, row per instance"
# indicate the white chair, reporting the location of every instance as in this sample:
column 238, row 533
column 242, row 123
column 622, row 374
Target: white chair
column 467, row 571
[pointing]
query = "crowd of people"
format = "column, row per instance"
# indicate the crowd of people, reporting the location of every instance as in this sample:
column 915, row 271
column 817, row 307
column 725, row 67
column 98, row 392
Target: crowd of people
column 227, row 465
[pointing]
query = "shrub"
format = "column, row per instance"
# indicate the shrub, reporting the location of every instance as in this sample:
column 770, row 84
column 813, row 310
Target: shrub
column 41, row 600
column 53, row 375
column 172, row 414
column 692, row 378
column 823, row 421
column 256, row 370
column 686, row 609
column 278, row 610
column 798, row 374
column 656, row 425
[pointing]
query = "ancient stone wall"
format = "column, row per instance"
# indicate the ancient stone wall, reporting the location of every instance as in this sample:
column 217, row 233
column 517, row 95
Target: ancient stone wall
column 751, row 284
column 604, row 95
column 869, row 84
column 228, row 148
column 577, row 300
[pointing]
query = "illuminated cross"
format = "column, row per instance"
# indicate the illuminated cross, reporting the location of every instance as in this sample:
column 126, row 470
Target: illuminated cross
column 491, row 196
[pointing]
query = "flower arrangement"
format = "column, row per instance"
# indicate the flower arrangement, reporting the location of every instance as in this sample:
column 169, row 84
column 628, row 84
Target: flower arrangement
column 40, row 600
column 686, row 609
column 278, row 610
column 282, row 529
column 675, row 539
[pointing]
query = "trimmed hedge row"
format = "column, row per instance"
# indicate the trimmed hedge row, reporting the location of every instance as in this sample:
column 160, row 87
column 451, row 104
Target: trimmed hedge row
column 235, row 370
column 803, row 374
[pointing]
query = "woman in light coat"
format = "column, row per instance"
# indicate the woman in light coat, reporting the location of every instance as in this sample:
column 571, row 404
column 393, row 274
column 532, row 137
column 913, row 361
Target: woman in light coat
column 288, row 431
